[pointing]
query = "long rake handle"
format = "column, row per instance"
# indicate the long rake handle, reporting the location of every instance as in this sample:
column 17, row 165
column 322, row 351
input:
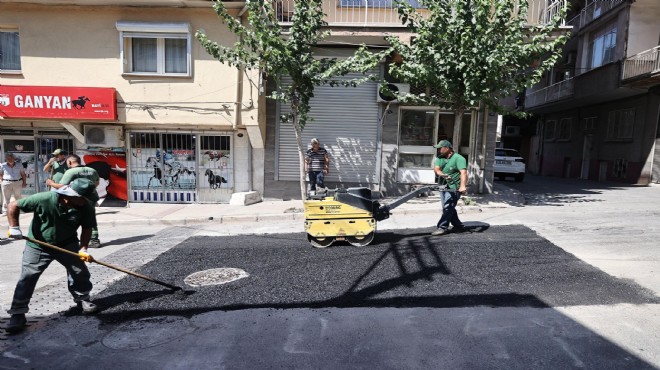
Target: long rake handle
column 173, row 287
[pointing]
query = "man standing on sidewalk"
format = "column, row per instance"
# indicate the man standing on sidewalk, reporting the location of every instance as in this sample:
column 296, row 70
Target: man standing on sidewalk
column 317, row 165
column 57, row 216
column 77, row 171
column 13, row 180
column 452, row 167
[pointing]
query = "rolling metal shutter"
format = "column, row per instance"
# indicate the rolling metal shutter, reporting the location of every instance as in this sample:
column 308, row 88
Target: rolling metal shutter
column 346, row 124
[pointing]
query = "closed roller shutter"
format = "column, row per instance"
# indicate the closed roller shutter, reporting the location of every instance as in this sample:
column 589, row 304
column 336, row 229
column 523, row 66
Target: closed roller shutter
column 346, row 124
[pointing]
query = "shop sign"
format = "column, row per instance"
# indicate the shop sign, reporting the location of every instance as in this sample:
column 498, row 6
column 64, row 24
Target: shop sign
column 58, row 102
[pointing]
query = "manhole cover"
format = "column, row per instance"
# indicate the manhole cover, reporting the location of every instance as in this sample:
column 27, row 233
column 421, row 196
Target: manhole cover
column 148, row 332
column 215, row 276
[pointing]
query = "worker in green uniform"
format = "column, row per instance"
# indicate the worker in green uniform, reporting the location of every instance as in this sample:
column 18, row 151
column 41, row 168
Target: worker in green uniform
column 57, row 216
column 452, row 167
column 56, row 165
column 75, row 171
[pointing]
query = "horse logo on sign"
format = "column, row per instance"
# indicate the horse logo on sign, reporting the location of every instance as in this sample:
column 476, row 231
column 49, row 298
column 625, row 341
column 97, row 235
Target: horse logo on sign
column 4, row 100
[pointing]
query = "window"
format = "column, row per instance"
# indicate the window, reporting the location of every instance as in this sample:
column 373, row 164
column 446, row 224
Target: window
column 549, row 131
column 602, row 46
column 155, row 48
column 589, row 123
column 10, row 51
column 620, row 124
column 565, row 129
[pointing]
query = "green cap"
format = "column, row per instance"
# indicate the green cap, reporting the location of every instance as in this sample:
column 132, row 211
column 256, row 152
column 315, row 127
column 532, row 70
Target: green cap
column 59, row 151
column 80, row 187
column 444, row 143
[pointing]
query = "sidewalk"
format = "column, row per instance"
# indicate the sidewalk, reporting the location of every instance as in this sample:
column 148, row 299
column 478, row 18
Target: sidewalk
column 269, row 210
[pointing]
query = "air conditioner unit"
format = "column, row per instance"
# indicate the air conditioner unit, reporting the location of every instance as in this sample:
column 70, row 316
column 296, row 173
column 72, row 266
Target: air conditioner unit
column 103, row 136
column 389, row 93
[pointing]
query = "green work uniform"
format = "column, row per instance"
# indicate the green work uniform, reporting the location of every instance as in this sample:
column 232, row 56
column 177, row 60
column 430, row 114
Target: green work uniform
column 58, row 171
column 52, row 222
column 452, row 167
column 79, row 172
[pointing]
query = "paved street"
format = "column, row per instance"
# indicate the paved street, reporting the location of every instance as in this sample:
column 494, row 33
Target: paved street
column 569, row 280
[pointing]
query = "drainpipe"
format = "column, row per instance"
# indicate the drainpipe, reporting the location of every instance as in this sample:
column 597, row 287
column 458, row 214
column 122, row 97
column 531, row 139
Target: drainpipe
column 482, row 171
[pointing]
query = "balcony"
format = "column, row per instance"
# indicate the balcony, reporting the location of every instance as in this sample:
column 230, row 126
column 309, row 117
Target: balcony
column 382, row 13
column 592, row 11
column 642, row 70
column 554, row 92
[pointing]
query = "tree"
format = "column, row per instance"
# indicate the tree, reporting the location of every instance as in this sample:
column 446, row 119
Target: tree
column 473, row 51
column 262, row 45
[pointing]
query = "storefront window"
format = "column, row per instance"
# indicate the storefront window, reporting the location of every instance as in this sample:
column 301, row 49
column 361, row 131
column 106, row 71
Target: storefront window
column 417, row 127
column 422, row 161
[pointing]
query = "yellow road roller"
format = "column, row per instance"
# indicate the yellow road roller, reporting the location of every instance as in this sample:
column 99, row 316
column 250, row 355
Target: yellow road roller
column 348, row 214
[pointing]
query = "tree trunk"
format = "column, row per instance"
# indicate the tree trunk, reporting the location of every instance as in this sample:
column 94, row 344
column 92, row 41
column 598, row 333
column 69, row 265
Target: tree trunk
column 458, row 125
column 301, row 158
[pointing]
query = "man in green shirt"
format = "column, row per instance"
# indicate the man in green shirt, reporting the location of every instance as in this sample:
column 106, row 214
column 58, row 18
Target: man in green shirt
column 75, row 171
column 452, row 167
column 57, row 216
column 56, row 165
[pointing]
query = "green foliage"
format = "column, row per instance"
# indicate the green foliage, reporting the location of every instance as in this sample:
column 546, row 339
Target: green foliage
column 474, row 51
column 265, row 45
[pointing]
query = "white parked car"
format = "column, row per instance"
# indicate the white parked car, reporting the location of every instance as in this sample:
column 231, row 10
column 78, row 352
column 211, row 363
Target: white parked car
column 508, row 162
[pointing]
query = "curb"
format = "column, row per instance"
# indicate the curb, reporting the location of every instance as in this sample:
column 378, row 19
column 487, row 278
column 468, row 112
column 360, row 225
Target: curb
column 268, row 217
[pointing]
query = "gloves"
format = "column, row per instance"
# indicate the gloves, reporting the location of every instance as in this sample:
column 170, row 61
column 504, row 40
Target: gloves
column 85, row 256
column 15, row 232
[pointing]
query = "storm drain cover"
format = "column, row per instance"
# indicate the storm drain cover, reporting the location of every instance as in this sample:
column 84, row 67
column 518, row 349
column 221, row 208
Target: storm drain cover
column 215, row 276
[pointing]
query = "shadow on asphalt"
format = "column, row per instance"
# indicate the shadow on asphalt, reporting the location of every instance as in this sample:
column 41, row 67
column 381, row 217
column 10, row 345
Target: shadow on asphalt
column 557, row 192
column 122, row 241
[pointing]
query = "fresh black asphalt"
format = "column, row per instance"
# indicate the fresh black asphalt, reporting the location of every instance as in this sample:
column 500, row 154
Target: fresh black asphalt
column 499, row 266
column 483, row 299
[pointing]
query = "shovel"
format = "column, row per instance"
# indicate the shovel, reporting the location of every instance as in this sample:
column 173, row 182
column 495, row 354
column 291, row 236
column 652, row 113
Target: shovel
column 173, row 287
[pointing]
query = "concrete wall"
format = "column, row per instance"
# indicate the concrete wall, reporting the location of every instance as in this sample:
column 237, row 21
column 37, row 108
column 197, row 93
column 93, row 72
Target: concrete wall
column 644, row 28
column 563, row 158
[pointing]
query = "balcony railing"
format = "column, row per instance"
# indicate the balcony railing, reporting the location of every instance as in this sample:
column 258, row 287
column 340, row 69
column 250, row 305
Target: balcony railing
column 382, row 13
column 558, row 91
column 593, row 10
column 642, row 64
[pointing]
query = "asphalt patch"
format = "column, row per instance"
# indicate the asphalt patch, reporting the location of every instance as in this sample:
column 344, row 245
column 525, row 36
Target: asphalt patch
column 499, row 266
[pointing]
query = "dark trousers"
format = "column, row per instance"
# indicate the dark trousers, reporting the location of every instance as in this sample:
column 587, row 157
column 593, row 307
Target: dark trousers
column 35, row 262
column 316, row 179
column 448, row 200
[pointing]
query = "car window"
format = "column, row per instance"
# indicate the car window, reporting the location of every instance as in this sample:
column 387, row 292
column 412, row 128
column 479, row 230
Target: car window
column 507, row 153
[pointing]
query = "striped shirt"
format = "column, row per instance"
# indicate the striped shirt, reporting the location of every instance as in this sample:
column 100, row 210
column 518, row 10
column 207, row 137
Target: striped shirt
column 316, row 159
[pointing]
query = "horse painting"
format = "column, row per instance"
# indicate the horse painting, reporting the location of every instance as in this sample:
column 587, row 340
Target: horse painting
column 168, row 174
column 215, row 181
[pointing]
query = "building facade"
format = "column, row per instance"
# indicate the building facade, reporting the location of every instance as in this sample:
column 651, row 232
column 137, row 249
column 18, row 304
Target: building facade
column 372, row 141
column 126, row 84
column 597, row 114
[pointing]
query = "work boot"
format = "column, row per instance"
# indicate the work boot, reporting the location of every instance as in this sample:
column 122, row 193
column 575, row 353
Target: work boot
column 88, row 307
column 440, row 231
column 16, row 324
column 94, row 243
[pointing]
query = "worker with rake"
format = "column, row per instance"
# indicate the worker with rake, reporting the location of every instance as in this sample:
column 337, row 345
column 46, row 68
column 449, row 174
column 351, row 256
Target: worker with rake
column 57, row 216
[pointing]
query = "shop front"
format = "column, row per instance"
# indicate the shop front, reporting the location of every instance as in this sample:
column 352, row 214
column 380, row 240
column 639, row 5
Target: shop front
column 180, row 167
column 34, row 121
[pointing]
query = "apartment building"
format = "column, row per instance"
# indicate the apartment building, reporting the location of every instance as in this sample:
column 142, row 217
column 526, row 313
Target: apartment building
column 125, row 85
column 373, row 141
column 597, row 114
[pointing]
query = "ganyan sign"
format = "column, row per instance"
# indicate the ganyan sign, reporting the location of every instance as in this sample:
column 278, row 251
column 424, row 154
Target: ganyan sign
column 58, row 102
